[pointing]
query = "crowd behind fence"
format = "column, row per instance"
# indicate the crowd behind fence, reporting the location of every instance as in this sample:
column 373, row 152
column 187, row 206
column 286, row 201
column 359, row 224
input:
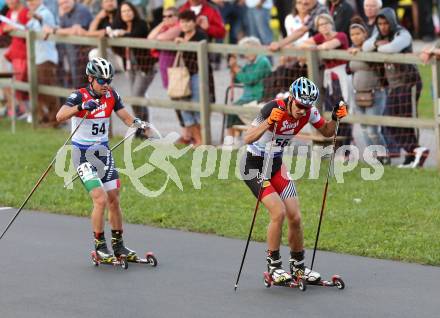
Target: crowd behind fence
column 399, row 125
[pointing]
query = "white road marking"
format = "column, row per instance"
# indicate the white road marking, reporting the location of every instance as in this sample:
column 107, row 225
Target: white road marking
column 5, row 208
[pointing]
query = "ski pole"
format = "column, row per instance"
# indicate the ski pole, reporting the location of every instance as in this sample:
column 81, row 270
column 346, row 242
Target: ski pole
column 41, row 178
column 325, row 193
column 262, row 179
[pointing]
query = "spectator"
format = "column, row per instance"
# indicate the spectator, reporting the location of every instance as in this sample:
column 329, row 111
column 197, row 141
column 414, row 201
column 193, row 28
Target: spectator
column 93, row 5
column 426, row 24
column 52, row 5
column 154, row 11
column 105, row 18
column 429, row 52
column 284, row 8
column 341, row 12
column 208, row 18
column 233, row 12
column 46, row 59
column 251, row 76
column 401, row 78
column 138, row 63
column 16, row 53
column 367, row 82
column 258, row 19
column 98, row 28
column 141, row 7
column 359, row 8
column 169, row 30
column 297, row 20
column 337, row 83
column 191, row 33
column 371, row 9
column 74, row 19
column 314, row 8
column 210, row 21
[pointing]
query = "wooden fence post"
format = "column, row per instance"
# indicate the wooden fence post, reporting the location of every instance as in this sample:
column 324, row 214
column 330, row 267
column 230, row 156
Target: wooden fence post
column 32, row 75
column 205, row 114
column 313, row 72
column 436, row 92
column 102, row 47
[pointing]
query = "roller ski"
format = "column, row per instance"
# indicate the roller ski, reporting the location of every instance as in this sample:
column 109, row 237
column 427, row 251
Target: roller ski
column 131, row 256
column 310, row 277
column 101, row 255
column 277, row 276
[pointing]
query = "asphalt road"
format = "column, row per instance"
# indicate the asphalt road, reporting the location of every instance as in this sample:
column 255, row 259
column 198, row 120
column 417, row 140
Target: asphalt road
column 46, row 271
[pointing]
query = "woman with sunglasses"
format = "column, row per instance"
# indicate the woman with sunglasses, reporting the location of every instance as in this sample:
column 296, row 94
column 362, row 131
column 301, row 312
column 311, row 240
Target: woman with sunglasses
column 91, row 154
column 282, row 119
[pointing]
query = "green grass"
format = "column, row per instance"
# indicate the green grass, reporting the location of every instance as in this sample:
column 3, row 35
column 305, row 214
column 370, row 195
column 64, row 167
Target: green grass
column 425, row 107
column 398, row 216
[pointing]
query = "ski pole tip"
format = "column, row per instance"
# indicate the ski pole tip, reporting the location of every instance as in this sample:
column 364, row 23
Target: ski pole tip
column 235, row 287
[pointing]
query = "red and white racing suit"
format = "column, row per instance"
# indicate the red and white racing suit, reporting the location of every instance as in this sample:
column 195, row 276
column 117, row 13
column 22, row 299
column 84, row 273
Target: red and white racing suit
column 286, row 129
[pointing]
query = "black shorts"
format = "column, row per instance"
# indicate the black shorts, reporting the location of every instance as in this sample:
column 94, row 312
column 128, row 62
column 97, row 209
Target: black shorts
column 277, row 179
column 100, row 157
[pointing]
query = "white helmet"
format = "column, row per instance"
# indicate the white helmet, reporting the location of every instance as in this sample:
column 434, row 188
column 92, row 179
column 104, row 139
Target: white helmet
column 100, row 68
column 304, row 91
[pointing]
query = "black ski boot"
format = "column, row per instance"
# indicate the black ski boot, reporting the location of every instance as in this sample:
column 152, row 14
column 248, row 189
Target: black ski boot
column 120, row 249
column 101, row 249
column 275, row 269
column 298, row 269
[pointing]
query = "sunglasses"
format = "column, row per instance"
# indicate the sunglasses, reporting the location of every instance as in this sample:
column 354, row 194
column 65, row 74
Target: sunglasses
column 103, row 81
column 167, row 16
column 299, row 105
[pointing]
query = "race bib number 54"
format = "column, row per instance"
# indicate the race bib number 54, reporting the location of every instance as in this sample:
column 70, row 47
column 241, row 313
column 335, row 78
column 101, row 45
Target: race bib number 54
column 89, row 176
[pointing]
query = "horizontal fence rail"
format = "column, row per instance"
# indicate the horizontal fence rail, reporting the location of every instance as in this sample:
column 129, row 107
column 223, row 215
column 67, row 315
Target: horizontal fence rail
column 312, row 57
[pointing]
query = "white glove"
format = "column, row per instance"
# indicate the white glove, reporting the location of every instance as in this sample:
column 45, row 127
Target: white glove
column 114, row 33
column 139, row 124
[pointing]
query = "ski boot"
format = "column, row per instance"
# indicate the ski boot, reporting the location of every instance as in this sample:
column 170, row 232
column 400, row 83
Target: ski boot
column 101, row 255
column 275, row 274
column 120, row 250
column 299, row 271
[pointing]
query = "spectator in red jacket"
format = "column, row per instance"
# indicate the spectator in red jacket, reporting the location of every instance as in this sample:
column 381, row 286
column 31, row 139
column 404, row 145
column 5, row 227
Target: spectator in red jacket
column 208, row 17
column 16, row 53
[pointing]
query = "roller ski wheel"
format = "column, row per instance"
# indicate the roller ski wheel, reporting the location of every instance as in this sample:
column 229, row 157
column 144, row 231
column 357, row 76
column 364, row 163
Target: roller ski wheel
column 302, row 284
column 299, row 283
column 267, row 280
column 95, row 260
column 149, row 259
column 123, row 261
column 152, row 260
column 115, row 261
column 336, row 281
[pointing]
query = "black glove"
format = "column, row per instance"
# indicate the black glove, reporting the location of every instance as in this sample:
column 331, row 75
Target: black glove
column 90, row 105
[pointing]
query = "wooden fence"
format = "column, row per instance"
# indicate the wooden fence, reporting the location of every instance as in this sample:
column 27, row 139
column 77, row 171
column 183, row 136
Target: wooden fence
column 313, row 58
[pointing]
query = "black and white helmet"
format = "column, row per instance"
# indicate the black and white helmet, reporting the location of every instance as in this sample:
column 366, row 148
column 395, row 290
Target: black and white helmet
column 304, row 91
column 100, row 68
